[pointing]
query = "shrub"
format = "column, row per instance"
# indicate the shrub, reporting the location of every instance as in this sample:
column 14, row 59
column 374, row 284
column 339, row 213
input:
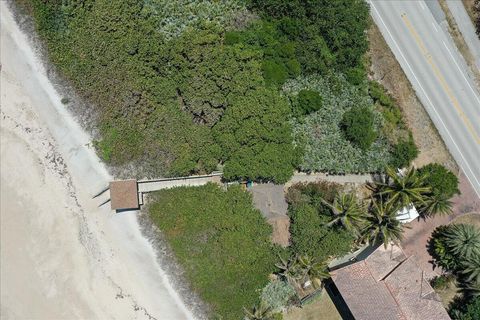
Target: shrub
column 455, row 244
column 319, row 133
column 312, row 193
column 308, row 101
column 277, row 294
column 404, row 152
column 323, row 29
column 309, row 233
column 463, row 309
column 221, row 241
column 356, row 76
column 441, row 282
column 274, row 73
column 255, row 137
column 357, row 124
column 442, row 181
column 380, row 95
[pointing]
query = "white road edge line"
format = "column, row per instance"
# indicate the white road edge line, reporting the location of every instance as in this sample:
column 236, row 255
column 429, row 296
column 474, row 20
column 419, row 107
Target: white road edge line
column 422, row 5
column 433, row 107
column 433, row 24
column 463, row 75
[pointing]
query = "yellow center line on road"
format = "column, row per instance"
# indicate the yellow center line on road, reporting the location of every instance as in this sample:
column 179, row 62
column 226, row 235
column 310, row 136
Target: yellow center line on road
column 440, row 77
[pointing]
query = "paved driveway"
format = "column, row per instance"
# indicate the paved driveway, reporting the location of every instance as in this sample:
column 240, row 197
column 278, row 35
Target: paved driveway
column 416, row 238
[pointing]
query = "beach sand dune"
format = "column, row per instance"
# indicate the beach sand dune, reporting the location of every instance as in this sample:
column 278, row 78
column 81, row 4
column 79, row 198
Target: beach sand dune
column 63, row 257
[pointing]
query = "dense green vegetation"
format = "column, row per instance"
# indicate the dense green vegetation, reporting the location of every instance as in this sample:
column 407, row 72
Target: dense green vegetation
column 357, row 124
column 311, row 233
column 467, row 311
column 456, row 248
column 326, row 147
column 167, row 80
column 327, row 34
column 222, row 242
column 442, row 181
column 255, row 139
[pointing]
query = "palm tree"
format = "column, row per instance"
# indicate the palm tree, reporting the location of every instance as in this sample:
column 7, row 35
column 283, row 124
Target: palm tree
column 347, row 211
column 470, row 269
column 463, row 241
column 435, row 204
column 470, row 289
column 300, row 269
column 313, row 271
column 381, row 223
column 290, row 270
column 403, row 189
column 260, row 312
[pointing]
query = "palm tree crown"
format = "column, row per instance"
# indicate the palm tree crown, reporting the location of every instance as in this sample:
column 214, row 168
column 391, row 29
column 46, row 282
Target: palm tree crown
column 403, row 189
column 347, row 211
column 300, row 269
column 260, row 312
column 381, row 223
column 463, row 240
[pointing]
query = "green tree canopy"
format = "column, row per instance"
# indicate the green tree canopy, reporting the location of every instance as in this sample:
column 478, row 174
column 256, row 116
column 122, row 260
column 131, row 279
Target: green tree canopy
column 256, row 139
column 222, row 242
column 358, row 126
column 442, row 181
column 308, row 101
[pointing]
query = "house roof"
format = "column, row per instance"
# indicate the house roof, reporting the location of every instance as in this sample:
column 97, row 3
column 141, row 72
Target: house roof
column 388, row 286
column 124, row 194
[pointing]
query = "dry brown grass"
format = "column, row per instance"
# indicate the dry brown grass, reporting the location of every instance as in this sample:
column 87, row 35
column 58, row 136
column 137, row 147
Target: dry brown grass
column 469, row 4
column 448, row 294
column 386, row 69
column 470, row 218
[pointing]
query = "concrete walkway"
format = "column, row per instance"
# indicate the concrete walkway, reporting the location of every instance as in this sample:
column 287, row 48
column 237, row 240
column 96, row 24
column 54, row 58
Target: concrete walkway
column 313, row 177
column 466, row 28
column 166, row 183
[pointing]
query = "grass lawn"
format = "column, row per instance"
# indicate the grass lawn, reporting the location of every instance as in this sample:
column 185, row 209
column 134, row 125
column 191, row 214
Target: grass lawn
column 322, row 308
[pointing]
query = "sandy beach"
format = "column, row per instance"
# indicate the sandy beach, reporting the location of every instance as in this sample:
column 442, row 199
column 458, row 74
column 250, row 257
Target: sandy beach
column 63, row 256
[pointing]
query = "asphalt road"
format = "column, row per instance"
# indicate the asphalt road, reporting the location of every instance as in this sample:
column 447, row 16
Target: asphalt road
column 466, row 28
column 438, row 75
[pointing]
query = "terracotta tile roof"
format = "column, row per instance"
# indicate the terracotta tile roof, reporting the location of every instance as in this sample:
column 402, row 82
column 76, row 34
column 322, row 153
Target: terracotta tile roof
column 388, row 285
column 383, row 260
column 413, row 293
column 366, row 298
column 124, row 194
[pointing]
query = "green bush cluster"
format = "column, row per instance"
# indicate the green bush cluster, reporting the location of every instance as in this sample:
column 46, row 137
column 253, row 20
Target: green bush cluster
column 358, row 126
column 221, row 241
column 255, row 139
column 328, row 34
column 442, row 181
column 159, row 86
column 279, row 54
column 310, row 234
column 467, row 310
column 325, row 147
column 308, row 101
column 404, row 152
column 277, row 295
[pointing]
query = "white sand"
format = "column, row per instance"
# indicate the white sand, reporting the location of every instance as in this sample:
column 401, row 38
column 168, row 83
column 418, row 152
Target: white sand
column 62, row 257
